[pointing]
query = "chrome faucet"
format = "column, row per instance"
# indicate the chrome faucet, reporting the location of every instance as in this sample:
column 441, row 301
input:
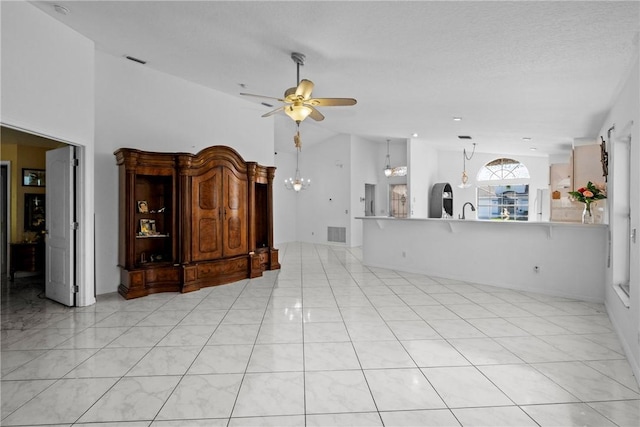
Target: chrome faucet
column 473, row 209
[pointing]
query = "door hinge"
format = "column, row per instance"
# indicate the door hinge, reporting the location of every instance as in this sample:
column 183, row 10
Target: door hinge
column 76, row 289
column 75, row 225
column 75, row 162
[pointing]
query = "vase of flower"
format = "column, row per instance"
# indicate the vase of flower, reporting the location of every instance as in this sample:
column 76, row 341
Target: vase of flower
column 588, row 195
column 587, row 213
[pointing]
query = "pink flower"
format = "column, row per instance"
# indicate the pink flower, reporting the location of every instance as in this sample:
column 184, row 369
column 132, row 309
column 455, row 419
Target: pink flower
column 587, row 193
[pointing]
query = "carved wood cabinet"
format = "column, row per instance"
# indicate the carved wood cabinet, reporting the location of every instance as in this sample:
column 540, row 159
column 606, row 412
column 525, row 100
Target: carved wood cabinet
column 189, row 221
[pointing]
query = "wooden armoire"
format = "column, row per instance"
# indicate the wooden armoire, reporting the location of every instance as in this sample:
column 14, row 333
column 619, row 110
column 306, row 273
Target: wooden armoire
column 189, row 221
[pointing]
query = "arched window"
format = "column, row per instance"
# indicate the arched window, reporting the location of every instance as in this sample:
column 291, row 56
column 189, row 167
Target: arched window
column 500, row 169
column 503, row 191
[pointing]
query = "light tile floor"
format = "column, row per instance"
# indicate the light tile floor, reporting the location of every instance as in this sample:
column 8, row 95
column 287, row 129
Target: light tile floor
column 325, row 341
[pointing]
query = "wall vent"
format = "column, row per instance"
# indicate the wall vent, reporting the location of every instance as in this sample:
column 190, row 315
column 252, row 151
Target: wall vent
column 337, row 234
column 139, row 61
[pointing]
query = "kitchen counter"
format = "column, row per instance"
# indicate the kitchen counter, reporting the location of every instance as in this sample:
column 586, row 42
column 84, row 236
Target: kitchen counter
column 563, row 259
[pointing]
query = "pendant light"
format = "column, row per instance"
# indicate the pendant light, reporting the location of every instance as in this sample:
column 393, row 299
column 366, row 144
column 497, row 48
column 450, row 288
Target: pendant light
column 388, row 170
column 297, row 183
column 464, row 182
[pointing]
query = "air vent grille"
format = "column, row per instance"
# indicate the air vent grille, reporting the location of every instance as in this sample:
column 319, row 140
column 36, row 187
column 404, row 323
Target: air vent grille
column 337, row 234
column 139, row 61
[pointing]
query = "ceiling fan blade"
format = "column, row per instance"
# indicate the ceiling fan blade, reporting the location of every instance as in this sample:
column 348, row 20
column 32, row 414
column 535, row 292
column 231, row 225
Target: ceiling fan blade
column 331, row 102
column 290, row 95
column 272, row 112
column 316, row 115
column 304, row 89
column 262, row 96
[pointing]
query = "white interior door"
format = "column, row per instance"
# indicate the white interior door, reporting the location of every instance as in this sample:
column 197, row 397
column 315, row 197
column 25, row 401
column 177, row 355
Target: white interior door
column 60, row 239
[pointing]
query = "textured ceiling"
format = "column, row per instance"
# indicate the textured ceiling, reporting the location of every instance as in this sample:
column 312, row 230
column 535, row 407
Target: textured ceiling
column 544, row 70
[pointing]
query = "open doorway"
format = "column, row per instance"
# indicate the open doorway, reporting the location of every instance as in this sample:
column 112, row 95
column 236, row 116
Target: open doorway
column 25, row 189
column 5, row 194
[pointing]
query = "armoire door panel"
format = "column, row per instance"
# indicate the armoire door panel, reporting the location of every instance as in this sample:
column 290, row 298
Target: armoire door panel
column 235, row 233
column 206, row 240
column 208, row 227
column 209, row 193
column 235, row 215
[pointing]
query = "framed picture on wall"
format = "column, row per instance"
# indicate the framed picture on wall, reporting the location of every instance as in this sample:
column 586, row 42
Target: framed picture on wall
column 33, row 177
column 34, row 213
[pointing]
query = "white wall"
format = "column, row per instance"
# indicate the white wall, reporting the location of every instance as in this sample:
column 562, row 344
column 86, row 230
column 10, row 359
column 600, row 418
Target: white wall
column 422, row 174
column 47, row 75
column 364, row 170
column 48, row 89
column 138, row 107
column 625, row 115
column 285, row 202
column 450, row 171
column 326, row 203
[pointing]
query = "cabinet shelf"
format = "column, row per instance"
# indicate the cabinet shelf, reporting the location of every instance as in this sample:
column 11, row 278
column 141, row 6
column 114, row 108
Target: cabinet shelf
column 153, row 236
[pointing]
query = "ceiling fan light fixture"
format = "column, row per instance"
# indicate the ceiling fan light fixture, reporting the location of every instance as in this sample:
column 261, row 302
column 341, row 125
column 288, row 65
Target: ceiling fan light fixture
column 298, row 112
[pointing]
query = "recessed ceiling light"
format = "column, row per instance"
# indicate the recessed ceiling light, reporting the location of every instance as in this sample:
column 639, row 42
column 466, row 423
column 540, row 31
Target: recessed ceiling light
column 526, row 138
column 457, row 119
column 60, row 9
column 415, row 135
column 532, row 148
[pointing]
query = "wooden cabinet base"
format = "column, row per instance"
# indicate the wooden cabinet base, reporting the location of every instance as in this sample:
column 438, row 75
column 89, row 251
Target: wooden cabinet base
column 189, row 278
column 139, row 283
column 274, row 264
column 213, row 273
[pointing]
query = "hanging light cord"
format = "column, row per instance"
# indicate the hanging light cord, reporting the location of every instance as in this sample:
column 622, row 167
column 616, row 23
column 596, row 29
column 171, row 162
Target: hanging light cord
column 472, row 153
column 464, row 160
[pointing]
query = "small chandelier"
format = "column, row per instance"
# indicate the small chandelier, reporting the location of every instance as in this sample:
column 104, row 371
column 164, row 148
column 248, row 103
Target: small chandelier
column 297, row 183
column 464, row 181
column 388, row 170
